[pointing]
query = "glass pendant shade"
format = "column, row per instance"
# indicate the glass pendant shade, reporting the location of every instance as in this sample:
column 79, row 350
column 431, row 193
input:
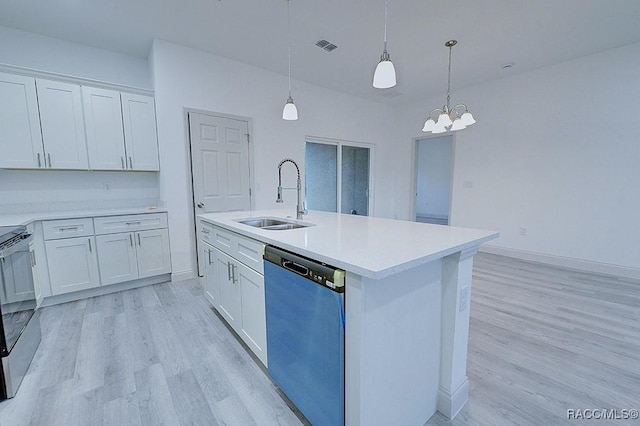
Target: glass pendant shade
column 290, row 112
column 458, row 124
column 385, row 75
column 467, row 118
column 439, row 129
column 429, row 125
column 444, row 120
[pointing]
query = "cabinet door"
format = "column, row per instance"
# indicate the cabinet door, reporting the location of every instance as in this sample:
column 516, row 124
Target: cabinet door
column 103, row 120
column 153, row 252
column 62, row 122
column 73, row 264
column 230, row 303
column 253, row 323
column 211, row 278
column 141, row 140
column 117, row 258
column 20, row 136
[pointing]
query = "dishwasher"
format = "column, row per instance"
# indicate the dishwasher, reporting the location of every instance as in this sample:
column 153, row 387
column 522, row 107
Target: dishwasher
column 305, row 333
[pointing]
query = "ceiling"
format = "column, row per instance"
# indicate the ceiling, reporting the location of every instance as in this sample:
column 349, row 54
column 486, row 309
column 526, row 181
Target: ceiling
column 529, row 34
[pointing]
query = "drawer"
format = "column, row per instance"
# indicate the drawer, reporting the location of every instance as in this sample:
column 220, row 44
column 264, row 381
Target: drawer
column 129, row 223
column 241, row 248
column 206, row 231
column 250, row 253
column 67, row 228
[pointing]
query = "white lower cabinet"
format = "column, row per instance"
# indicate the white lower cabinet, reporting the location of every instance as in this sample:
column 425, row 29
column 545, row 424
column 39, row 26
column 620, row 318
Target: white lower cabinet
column 130, row 255
column 73, row 264
column 237, row 290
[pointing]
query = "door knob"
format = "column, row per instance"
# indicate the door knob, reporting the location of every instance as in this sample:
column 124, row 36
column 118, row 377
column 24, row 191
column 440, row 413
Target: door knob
column 201, row 205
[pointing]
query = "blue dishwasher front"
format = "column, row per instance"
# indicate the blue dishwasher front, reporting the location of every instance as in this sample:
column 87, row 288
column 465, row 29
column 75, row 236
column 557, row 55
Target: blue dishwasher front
column 305, row 333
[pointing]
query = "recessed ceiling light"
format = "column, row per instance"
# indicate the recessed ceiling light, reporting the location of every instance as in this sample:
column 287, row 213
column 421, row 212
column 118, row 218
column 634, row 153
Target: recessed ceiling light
column 326, row 45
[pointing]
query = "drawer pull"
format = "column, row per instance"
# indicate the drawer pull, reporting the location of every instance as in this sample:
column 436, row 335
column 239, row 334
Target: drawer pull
column 137, row 222
column 68, row 228
column 205, row 231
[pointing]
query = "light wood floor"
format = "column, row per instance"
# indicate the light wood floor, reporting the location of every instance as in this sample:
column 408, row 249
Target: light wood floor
column 542, row 340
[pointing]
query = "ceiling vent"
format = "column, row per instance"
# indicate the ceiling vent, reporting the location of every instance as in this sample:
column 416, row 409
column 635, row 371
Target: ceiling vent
column 326, row 45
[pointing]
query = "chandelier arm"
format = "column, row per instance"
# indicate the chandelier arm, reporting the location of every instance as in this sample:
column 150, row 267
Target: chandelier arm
column 386, row 5
column 434, row 110
column 449, row 80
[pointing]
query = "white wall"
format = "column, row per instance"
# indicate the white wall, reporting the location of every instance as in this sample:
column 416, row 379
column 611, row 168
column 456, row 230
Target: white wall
column 185, row 77
column 37, row 52
column 48, row 190
column 555, row 151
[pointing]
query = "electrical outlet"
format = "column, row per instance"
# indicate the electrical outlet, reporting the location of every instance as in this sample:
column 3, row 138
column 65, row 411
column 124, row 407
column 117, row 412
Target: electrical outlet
column 523, row 232
column 464, row 299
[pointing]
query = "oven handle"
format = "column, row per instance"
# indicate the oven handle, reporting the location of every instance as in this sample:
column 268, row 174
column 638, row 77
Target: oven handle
column 4, row 253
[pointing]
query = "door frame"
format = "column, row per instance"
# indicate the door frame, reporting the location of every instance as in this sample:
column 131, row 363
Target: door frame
column 249, row 121
column 414, row 170
column 339, row 143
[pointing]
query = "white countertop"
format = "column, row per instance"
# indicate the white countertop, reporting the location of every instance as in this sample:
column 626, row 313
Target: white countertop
column 368, row 246
column 26, row 218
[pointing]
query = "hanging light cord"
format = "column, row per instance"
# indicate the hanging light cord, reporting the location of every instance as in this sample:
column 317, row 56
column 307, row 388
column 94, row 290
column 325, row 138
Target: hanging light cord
column 386, row 3
column 449, row 81
column 289, row 44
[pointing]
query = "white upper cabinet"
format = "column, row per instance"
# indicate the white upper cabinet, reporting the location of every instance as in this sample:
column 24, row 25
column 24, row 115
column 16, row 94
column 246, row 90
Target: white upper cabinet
column 20, row 136
column 105, row 136
column 140, row 134
column 62, row 124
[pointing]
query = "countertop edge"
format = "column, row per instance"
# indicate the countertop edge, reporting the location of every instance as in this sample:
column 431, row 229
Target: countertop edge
column 28, row 218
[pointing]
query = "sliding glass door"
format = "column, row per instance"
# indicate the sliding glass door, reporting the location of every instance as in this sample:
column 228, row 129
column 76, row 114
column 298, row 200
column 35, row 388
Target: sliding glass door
column 337, row 177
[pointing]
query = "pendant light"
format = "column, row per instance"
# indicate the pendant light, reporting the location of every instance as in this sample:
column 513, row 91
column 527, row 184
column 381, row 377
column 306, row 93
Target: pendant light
column 449, row 119
column 290, row 112
column 384, row 76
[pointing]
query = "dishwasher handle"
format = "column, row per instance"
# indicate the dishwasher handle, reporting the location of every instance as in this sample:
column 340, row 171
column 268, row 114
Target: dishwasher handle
column 295, row 267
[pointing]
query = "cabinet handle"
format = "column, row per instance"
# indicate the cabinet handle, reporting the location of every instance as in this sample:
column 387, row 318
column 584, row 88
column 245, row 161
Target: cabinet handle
column 131, row 240
column 33, row 258
column 90, row 250
column 205, row 231
column 134, row 223
column 39, row 162
column 49, row 157
column 233, row 273
column 209, row 256
column 139, row 240
column 228, row 271
column 200, row 205
column 68, row 228
column 130, row 163
column 122, row 162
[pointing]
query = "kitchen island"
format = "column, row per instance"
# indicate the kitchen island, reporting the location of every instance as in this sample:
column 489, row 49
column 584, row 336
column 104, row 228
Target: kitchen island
column 407, row 307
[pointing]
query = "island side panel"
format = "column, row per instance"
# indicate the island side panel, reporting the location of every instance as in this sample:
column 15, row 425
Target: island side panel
column 392, row 357
column 456, row 295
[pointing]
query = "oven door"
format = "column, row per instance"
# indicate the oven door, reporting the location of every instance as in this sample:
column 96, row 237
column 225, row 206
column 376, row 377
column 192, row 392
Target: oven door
column 17, row 295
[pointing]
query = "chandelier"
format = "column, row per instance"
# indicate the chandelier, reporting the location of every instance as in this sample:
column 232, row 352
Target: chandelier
column 448, row 119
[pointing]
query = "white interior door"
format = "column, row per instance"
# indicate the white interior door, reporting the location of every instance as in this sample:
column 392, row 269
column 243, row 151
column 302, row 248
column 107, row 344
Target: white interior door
column 219, row 165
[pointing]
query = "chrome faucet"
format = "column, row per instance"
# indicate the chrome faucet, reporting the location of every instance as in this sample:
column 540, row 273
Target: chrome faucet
column 300, row 210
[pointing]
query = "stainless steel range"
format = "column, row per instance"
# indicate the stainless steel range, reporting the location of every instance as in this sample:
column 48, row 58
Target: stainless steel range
column 20, row 326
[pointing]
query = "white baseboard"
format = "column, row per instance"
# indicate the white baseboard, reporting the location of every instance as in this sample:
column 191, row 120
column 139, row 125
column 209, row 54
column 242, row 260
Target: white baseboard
column 182, row 275
column 449, row 405
column 565, row 262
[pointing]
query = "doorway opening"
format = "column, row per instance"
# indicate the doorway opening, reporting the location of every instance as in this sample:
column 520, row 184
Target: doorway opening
column 338, row 176
column 433, row 179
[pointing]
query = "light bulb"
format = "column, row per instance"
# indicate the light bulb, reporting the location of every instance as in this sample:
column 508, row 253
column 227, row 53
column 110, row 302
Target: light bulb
column 290, row 112
column 458, row 124
column 467, row 118
column 385, row 75
column 444, row 120
column 429, row 125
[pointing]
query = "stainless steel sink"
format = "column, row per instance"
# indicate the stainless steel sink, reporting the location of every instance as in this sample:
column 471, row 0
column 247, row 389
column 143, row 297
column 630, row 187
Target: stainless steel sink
column 272, row 224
